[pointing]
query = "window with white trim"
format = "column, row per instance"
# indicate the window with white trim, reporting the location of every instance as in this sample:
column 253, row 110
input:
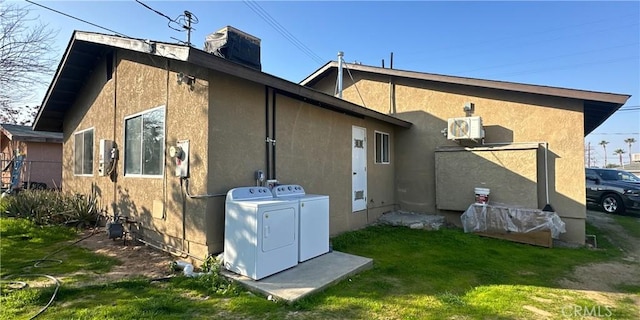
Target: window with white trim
column 83, row 152
column 382, row 147
column 144, row 143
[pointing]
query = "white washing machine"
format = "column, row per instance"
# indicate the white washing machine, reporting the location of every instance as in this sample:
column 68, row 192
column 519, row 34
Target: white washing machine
column 313, row 229
column 260, row 232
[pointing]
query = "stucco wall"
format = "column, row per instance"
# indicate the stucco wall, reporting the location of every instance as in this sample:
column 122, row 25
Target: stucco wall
column 508, row 117
column 313, row 149
column 156, row 203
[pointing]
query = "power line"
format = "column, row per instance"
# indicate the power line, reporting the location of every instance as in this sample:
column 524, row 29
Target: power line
column 550, row 58
column 185, row 21
column 156, row 11
column 355, row 85
column 519, row 36
column 262, row 13
column 76, row 18
column 563, row 67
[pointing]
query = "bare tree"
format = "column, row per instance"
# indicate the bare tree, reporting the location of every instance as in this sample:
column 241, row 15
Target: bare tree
column 604, row 143
column 26, row 59
column 629, row 142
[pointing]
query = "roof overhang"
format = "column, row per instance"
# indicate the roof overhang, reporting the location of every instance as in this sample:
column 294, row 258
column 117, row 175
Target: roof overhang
column 86, row 48
column 598, row 106
column 24, row 133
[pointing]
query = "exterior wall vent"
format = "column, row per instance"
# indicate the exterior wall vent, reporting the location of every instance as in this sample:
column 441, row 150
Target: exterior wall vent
column 466, row 128
column 234, row 45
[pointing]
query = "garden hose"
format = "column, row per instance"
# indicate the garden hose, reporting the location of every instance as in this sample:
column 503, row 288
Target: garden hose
column 54, row 279
column 53, row 296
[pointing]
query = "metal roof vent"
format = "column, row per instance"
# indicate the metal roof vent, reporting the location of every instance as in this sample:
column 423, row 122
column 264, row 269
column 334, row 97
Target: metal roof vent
column 234, row 45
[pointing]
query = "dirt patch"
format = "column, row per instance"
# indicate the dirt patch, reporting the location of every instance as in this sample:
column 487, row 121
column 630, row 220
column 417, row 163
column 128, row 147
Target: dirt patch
column 136, row 259
column 599, row 281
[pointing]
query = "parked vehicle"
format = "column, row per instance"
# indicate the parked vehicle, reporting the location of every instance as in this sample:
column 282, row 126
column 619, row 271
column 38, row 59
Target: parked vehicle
column 614, row 190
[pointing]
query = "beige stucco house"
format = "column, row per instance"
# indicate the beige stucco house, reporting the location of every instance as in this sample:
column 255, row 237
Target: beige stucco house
column 42, row 156
column 528, row 150
column 147, row 97
column 140, row 98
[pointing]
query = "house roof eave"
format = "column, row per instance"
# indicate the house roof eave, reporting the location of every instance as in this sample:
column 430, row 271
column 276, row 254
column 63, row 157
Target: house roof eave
column 52, row 110
column 598, row 106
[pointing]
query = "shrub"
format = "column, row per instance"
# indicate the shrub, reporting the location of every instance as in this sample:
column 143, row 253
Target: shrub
column 50, row 207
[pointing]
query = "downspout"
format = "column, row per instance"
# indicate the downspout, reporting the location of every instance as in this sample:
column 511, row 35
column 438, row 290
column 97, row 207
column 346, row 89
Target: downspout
column 266, row 130
column 114, row 175
column 273, row 134
column 548, row 206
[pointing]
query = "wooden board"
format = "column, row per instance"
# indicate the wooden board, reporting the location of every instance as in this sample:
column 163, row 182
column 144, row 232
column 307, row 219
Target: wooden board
column 538, row 238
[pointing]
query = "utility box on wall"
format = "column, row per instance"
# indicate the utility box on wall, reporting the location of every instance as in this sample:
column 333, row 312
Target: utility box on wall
column 511, row 174
column 180, row 154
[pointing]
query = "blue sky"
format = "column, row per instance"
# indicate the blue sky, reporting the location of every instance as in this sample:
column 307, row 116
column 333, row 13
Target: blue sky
column 581, row 45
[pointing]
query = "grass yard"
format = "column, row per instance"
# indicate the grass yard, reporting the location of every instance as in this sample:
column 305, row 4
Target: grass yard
column 417, row 274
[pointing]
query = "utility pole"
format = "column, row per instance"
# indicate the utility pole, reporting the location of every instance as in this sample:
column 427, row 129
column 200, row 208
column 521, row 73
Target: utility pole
column 589, row 154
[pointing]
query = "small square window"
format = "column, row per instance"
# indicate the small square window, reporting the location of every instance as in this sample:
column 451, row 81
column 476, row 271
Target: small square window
column 83, row 152
column 382, row 147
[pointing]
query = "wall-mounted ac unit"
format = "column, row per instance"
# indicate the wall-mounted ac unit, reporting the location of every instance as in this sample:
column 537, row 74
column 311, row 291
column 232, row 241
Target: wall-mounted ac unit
column 467, row 128
column 635, row 157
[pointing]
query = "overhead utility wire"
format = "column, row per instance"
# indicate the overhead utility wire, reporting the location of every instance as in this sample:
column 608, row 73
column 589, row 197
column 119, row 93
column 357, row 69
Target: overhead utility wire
column 180, row 20
column 156, row 11
column 262, row 13
column 519, row 36
column 81, row 20
column 355, row 85
column 561, row 67
column 550, row 58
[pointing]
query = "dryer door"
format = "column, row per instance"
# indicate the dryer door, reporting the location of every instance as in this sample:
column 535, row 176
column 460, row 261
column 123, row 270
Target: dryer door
column 278, row 228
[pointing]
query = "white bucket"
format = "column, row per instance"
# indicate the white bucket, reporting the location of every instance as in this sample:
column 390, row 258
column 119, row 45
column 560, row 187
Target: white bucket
column 482, row 195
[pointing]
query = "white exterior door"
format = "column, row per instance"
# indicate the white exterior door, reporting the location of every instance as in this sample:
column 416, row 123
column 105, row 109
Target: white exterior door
column 359, row 168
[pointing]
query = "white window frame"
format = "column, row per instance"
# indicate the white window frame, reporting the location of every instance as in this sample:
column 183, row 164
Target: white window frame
column 93, row 143
column 124, row 139
column 375, row 147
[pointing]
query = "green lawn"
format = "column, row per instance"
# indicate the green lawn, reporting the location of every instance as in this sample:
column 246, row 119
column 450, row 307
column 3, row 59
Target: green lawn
column 417, row 274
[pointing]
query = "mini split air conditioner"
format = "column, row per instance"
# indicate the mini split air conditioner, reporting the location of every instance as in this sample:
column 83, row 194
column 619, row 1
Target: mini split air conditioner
column 467, row 128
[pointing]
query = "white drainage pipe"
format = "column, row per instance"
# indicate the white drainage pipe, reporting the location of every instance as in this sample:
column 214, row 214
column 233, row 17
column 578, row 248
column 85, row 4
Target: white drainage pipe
column 187, row 269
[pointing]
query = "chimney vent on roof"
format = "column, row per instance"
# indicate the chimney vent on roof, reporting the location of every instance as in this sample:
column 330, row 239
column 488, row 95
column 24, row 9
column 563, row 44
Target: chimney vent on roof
column 234, row 45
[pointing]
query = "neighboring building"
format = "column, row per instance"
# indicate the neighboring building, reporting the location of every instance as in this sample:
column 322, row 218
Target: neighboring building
column 42, row 156
column 150, row 96
column 530, row 132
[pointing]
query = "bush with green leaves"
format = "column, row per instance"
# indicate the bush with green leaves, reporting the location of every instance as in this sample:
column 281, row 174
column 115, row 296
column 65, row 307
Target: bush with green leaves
column 212, row 281
column 50, row 207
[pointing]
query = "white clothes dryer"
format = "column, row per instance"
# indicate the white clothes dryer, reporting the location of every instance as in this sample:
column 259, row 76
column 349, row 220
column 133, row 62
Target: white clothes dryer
column 260, row 233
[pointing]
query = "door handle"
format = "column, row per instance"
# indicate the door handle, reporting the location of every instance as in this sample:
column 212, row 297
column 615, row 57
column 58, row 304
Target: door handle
column 354, row 173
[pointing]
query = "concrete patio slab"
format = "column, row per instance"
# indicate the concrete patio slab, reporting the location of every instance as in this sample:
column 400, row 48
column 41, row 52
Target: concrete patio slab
column 307, row 277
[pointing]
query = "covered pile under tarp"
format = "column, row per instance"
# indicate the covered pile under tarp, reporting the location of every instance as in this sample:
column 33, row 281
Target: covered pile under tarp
column 502, row 218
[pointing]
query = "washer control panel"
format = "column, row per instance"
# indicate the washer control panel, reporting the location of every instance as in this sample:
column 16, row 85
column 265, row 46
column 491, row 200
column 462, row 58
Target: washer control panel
column 288, row 190
column 247, row 193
